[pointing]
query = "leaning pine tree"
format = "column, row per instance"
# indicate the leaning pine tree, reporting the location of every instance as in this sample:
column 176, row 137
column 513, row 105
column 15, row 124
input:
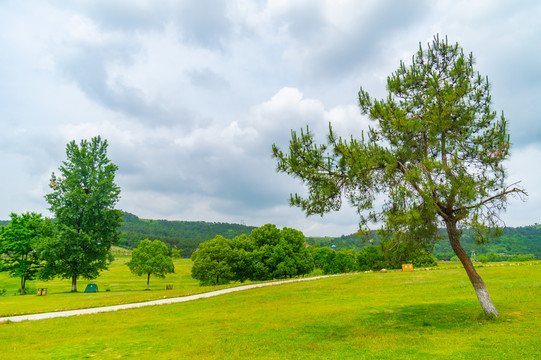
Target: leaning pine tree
column 436, row 154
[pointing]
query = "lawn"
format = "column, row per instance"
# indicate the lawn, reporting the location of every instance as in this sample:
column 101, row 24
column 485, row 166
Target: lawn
column 395, row 315
column 116, row 286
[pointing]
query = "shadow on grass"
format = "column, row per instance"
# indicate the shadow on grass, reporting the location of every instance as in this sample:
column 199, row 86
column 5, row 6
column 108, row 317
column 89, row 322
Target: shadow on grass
column 459, row 315
column 440, row 316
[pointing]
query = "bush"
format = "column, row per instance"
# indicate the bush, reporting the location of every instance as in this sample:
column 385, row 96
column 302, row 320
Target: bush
column 526, row 257
column 28, row 290
column 482, row 258
column 424, row 259
column 370, row 258
column 3, row 292
column 342, row 262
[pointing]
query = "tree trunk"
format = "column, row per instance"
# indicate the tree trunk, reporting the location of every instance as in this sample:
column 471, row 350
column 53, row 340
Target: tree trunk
column 74, row 283
column 478, row 283
column 23, row 283
column 148, row 281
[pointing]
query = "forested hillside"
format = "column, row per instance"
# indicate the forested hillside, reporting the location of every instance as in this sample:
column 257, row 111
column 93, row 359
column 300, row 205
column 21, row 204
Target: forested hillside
column 185, row 235
column 514, row 241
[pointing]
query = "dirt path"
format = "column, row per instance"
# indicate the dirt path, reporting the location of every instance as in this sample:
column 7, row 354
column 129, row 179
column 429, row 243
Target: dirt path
column 51, row 315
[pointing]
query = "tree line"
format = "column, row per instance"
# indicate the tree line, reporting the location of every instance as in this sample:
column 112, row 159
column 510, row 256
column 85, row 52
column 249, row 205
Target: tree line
column 267, row 253
column 371, row 257
column 513, row 243
column 270, row 253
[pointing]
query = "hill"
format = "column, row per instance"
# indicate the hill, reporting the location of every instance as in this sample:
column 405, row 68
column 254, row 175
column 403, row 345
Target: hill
column 185, row 235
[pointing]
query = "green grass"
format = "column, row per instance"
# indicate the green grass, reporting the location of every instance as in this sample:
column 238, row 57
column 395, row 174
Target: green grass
column 395, row 315
column 116, row 286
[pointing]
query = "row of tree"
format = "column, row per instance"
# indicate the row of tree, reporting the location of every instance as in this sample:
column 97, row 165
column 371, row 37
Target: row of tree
column 267, row 253
column 369, row 258
column 514, row 241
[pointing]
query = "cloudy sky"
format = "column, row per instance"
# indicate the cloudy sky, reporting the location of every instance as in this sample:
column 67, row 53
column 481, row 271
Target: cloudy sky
column 192, row 94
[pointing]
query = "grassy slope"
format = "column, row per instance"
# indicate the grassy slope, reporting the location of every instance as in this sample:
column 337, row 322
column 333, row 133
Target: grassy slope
column 420, row 315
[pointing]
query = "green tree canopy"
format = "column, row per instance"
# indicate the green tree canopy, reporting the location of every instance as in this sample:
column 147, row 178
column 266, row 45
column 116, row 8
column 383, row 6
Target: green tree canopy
column 20, row 242
column 151, row 258
column 290, row 256
column 436, row 153
column 266, row 254
column 370, row 258
column 212, row 262
column 83, row 198
column 279, row 253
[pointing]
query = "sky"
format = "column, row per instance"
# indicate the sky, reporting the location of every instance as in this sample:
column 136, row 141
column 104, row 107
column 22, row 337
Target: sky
column 191, row 95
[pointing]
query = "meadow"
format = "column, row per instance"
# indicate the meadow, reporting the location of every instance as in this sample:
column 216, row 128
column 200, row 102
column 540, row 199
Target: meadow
column 116, row 286
column 395, row 315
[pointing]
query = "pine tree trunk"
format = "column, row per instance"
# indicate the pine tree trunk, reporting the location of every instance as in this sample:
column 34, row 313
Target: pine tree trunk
column 74, row 283
column 478, row 283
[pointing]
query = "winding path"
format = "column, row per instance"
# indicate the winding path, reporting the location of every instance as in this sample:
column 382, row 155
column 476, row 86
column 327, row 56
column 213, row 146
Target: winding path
column 51, row 315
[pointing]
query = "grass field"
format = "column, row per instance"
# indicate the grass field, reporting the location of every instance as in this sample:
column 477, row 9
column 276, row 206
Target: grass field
column 116, row 286
column 395, row 315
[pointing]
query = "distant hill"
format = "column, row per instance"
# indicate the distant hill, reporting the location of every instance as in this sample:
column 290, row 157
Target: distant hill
column 514, row 241
column 185, row 235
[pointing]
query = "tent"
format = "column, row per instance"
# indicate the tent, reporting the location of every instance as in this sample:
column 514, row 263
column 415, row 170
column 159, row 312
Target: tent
column 91, row 288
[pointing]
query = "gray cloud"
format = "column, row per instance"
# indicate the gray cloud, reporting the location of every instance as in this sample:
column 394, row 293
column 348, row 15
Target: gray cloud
column 191, row 95
column 206, row 78
column 88, row 68
column 204, row 23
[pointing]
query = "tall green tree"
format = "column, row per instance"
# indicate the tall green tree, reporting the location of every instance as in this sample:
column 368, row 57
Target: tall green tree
column 83, row 198
column 20, row 242
column 151, row 258
column 436, row 153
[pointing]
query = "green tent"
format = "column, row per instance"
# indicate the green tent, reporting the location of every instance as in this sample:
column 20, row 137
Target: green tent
column 90, row 288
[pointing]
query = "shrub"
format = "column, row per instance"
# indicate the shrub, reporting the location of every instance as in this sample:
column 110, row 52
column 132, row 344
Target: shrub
column 370, row 258
column 28, row 290
column 424, row 259
column 482, row 258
